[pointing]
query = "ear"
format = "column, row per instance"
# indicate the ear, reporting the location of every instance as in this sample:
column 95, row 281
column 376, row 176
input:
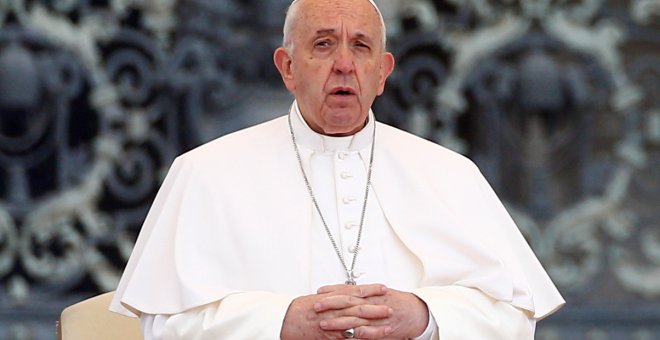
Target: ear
column 386, row 68
column 283, row 63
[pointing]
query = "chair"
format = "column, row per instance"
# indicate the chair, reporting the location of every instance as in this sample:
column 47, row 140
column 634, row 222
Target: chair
column 91, row 319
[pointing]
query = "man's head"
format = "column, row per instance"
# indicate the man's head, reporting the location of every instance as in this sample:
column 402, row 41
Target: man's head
column 292, row 16
column 334, row 62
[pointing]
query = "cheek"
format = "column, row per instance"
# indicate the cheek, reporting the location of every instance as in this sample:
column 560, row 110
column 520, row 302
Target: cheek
column 369, row 72
column 370, row 80
column 311, row 74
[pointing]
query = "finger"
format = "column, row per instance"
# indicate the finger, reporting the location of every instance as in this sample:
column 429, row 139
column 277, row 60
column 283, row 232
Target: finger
column 364, row 291
column 342, row 323
column 358, row 291
column 371, row 311
column 372, row 332
column 357, row 316
column 366, row 311
column 329, row 289
column 342, row 307
column 337, row 302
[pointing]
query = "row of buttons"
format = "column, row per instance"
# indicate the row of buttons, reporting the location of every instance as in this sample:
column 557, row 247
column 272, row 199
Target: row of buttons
column 345, row 175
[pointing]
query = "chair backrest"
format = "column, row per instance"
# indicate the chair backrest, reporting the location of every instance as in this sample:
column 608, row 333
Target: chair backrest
column 91, row 319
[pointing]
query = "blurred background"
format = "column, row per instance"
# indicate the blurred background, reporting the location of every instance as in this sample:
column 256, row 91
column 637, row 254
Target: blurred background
column 557, row 101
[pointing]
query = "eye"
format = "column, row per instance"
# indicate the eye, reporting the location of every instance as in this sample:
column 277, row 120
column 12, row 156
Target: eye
column 360, row 44
column 322, row 43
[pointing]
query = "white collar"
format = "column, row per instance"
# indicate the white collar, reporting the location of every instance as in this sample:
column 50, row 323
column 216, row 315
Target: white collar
column 313, row 140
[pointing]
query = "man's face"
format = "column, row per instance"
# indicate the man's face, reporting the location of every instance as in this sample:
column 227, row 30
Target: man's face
column 337, row 65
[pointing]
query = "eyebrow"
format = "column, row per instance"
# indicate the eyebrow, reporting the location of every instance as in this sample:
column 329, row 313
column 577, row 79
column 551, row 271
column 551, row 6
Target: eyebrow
column 323, row 32
column 330, row 31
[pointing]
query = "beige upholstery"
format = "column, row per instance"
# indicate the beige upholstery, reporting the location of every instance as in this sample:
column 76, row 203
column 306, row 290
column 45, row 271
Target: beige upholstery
column 91, row 319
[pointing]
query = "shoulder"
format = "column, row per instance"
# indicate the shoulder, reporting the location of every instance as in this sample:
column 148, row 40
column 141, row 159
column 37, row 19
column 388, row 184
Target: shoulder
column 414, row 150
column 253, row 142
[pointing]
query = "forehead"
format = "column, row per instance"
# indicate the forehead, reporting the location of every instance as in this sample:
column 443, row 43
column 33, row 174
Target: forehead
column 356, row 16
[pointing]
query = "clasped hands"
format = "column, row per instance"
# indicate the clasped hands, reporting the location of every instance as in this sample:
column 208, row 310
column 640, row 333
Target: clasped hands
column 374, row 311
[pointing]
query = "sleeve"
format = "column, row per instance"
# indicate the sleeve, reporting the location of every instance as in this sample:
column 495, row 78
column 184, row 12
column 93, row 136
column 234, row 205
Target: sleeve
column 431, row 331
column 248, row 315
column 467, row 313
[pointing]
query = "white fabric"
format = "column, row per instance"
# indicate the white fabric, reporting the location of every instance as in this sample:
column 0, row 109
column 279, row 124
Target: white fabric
column 248, row 316
column 230, row 319
column 234, row 216
column 466, row 313
column 337, row 169
column 338, row 175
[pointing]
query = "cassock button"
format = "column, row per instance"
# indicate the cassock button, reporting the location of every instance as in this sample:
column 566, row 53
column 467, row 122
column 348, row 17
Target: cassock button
column 345, row 175
column 358, row 274
column 350, row 225
column 342, row 155
column 353, row 249
column 348, row 200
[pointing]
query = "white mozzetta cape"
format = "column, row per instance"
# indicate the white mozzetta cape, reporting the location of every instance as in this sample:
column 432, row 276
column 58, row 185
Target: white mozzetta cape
column 232, row 216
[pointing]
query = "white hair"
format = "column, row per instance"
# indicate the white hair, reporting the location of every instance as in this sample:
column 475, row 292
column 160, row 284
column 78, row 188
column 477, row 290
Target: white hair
column 291, row 17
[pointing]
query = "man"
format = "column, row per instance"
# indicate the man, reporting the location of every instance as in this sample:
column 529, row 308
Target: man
column 324, row 224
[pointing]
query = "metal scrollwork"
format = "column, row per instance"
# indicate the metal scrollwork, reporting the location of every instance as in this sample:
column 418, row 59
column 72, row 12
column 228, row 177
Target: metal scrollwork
column 96, row 99
column 556, row 101
column 560, row 115
column 8, row 243
column 52, row 249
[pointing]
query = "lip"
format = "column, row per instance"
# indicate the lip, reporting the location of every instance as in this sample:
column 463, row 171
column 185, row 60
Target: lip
column 342, row 91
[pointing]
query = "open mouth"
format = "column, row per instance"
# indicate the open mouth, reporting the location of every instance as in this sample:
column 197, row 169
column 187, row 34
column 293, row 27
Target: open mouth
column 343, row 92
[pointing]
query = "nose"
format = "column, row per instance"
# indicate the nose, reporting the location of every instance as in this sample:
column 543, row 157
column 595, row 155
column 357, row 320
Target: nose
column 344, row 61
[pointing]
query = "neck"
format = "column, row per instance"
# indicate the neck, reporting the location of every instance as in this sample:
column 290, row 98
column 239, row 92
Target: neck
column 314, row 139
column 339, row 134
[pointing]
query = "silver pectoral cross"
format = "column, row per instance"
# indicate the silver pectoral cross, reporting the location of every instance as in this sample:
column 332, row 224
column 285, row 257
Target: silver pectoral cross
column 351, row 279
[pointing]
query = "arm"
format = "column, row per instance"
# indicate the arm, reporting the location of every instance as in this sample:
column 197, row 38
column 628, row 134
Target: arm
column 452, row 312
column 249, row 315
column 466, row 313
column 459, row 313
column 261, row 315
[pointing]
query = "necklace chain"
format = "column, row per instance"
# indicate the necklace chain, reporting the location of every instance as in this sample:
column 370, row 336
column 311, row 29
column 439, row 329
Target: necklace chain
column 350, row 278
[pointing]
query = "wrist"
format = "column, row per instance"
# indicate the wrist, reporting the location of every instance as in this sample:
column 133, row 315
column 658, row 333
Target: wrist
column 421, row 318
column 289, row 331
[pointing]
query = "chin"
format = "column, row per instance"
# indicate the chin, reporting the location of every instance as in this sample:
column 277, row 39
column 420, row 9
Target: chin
column 343, row 120
column 342, row 129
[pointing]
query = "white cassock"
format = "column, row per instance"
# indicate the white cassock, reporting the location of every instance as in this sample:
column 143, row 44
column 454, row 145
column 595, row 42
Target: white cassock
column 233, row 237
